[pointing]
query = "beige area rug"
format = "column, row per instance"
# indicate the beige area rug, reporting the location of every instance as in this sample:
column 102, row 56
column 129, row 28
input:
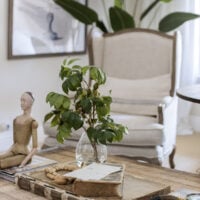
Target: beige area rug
column 187, row 157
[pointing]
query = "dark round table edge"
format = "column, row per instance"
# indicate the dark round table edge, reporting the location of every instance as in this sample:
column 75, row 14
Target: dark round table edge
column 187, row 98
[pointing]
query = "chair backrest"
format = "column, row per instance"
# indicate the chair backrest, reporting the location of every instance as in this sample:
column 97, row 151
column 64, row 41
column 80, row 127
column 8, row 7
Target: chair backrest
column 136, row 54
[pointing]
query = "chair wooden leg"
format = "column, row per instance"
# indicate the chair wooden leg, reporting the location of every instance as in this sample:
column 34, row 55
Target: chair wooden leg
column 171, row 158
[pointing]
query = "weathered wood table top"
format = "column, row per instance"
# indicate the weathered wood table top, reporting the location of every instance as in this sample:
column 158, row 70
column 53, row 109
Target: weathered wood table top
column 176, row 179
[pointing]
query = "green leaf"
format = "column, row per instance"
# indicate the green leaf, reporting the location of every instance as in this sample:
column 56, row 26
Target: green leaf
column 72, row 61
column 64, row 71
column 73, row 119
column 119, row 131
column 48, row 116
column 55, row 121
column 64, row 131
column 60, row 138
column 74, row 81
column 49, row 96
column 120, row 19
column 66, row 116
column 107, row 100
column 101, row 26
column 174, row 20
column 65, row 87
column 66, row 103
column 76, row 67
column 76, row 121
column 103, row 110
column 64, row 62
column 86, row 105
column 98, row 101
column 109, row 135
column 103, row 106
column 101, row 137
column 119, row 3
column 96, row 86
column 91, row 133
column 85, row 69
column 58, row 101
column 98, row 75
column 79, row 11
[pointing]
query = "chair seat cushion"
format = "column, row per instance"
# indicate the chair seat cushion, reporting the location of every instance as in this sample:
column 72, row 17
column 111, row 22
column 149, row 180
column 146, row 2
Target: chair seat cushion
column 148, row 152
column 143, row 130
column 52, row 131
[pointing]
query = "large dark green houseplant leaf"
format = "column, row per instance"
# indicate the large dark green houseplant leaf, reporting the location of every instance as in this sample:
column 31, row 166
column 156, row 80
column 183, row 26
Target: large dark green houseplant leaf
column 120, row 19
column 78, row 10
column 81, row 12
column 174, row 20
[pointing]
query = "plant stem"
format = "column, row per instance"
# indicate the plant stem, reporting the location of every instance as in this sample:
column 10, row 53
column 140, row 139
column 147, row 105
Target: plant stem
column 94, row 146
column 149, row 8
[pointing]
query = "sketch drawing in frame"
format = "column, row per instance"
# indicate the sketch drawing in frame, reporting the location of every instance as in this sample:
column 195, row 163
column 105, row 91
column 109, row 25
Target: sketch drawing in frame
column 42, row 28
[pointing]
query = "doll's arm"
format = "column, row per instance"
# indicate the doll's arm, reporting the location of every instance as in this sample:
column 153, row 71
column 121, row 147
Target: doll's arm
column 34, row 144
column 34, row 135
column 28, row 157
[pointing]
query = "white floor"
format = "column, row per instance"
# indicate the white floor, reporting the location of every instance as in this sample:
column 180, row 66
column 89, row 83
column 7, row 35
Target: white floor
column 187, row 157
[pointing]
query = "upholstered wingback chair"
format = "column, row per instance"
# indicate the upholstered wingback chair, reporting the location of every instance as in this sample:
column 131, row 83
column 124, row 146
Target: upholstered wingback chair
column 142, row 73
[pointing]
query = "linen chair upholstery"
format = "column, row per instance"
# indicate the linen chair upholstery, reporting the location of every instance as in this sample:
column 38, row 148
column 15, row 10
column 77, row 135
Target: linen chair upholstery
column 142, row 74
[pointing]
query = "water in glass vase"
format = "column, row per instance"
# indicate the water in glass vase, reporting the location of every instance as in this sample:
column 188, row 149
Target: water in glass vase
column 85, row 152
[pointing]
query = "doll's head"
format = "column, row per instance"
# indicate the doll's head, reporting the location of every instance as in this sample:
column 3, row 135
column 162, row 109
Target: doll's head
column 26, row 100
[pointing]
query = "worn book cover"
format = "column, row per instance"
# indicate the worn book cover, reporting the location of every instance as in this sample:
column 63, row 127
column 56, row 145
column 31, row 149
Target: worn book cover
column 37, row 162
column 113, row 187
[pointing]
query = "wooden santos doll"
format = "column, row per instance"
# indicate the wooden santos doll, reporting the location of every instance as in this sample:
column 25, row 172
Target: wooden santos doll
column 24, row 128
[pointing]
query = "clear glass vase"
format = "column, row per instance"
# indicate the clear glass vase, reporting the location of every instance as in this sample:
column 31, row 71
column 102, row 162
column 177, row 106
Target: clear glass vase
column 85, row 153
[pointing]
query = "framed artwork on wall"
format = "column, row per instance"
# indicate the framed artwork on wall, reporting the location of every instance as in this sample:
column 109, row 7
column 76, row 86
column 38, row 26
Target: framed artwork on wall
column 42, row 28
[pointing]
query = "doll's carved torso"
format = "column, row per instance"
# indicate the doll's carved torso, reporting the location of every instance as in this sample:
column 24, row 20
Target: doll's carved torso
column 22, row 132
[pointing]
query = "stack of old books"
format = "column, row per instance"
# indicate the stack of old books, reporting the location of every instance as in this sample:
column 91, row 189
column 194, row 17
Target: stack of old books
column 102, row 181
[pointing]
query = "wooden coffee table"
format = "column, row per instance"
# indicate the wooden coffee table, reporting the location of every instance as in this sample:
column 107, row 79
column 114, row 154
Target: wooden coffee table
column 176, row 179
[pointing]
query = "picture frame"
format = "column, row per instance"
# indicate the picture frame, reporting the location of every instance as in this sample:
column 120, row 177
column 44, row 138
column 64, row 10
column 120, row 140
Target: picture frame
column 42, row 28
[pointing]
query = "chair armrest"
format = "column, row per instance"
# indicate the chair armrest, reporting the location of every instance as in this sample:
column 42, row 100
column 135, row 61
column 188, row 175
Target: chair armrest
column 166, row 104
column 166, row 101
column 167, row 115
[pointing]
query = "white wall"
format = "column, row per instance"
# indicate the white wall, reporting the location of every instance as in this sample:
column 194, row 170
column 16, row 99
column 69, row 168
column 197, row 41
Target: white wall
column 38, row 75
